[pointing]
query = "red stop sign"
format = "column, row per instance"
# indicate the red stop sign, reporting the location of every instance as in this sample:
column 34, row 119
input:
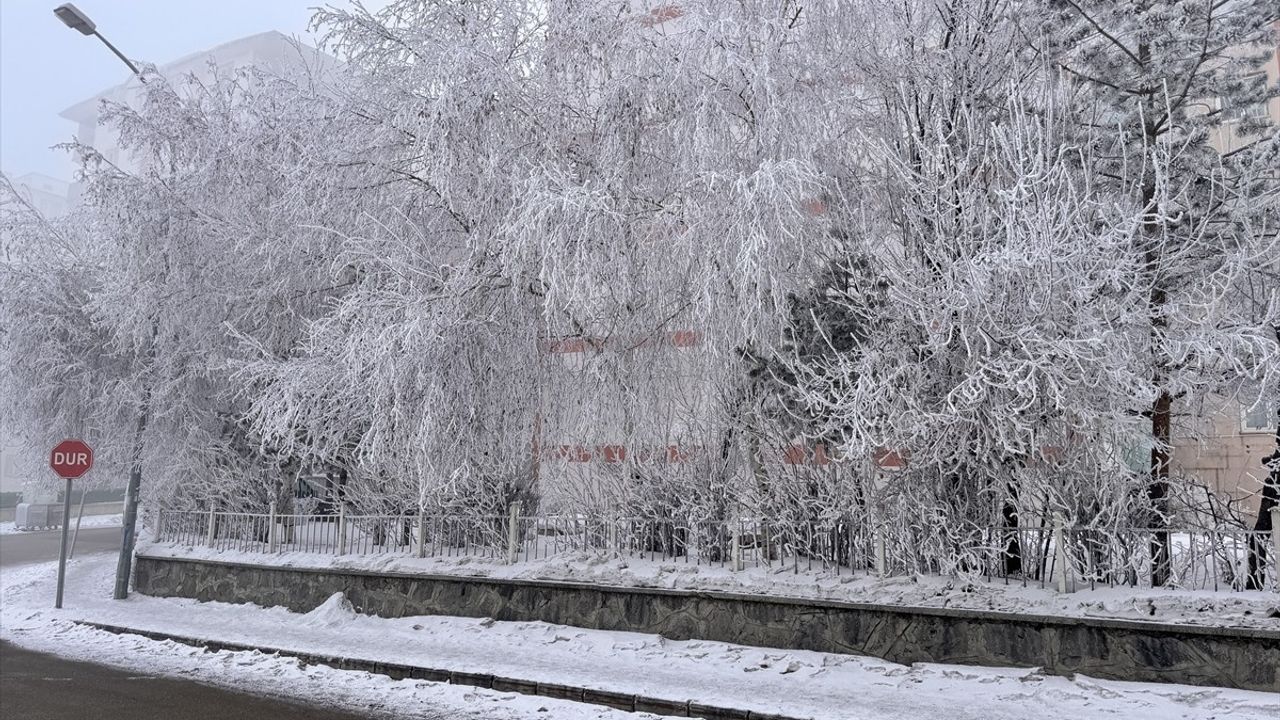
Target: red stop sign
column 71, row 459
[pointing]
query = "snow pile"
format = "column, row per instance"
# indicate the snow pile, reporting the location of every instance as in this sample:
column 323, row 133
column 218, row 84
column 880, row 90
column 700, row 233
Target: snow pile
column 332, row 613
column 793, row 682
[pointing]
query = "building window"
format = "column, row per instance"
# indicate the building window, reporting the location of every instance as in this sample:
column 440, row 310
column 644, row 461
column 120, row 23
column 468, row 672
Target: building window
column 1259, row 418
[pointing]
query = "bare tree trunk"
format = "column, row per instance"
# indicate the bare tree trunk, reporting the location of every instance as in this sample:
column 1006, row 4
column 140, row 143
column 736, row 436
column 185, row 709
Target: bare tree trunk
column 1158, row 487
column 1012, row 548
column 1270, row 499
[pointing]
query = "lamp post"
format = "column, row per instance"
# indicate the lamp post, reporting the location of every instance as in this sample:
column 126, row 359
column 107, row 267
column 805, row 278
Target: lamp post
column 74, row 18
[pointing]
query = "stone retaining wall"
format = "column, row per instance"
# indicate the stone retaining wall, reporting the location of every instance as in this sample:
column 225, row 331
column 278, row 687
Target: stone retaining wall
column 1115, row 649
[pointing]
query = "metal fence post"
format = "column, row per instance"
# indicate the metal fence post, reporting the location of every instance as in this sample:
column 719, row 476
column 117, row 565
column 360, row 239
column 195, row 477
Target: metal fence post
column 422, row 531
column 853, row 543
column 513, row 531
column 737, row 547
column 1275, row 549
column 342, row 529
column 213, row 527
column 1060, row 541
column 162, row 529
column 880, row 564
column 273, row 540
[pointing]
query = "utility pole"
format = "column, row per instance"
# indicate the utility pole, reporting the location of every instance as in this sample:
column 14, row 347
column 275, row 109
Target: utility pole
column 74, row 18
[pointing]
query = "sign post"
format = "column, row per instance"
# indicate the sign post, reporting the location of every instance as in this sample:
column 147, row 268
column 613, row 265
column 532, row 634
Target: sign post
column 70, row 459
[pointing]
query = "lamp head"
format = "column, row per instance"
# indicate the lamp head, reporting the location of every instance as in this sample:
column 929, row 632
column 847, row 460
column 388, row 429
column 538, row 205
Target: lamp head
column 73, row 18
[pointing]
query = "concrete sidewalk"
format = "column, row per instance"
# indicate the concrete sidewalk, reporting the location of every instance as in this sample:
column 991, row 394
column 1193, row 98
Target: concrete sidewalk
column 397, row 671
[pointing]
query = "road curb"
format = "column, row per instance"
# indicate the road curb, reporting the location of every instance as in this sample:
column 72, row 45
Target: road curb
column 397, row 671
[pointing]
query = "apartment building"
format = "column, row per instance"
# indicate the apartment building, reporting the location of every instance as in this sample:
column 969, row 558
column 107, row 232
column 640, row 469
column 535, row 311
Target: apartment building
column 270, row 50
column 48, row 195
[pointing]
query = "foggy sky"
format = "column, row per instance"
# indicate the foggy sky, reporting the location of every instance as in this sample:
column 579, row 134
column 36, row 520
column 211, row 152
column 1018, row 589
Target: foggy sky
column 45, row 67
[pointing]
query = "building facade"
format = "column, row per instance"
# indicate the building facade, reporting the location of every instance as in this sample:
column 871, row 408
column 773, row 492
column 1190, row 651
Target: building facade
column 271, row 51
column 48, row 195
column 1225, row 440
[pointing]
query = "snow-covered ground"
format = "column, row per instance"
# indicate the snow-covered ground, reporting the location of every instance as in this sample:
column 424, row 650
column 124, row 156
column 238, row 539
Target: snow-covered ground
column 792, row 682
column 89, row 521
column 1251, row 609
column 28, row 620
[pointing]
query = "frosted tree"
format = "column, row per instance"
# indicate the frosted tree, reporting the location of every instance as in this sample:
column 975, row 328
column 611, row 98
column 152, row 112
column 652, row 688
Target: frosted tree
column 59, row 372
column 197, row 255
column 1012, row 349
column 578, row 175
column 407, row 381
column 964, row 326
column 1164, row 79
column 679, row 211
column 666, row 261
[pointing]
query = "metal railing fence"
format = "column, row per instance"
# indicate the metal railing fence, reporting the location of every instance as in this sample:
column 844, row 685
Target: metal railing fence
column 1044, row 554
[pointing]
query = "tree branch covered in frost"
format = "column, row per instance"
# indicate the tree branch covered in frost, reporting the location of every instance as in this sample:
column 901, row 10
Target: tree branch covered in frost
column 62, row 375
column 691, row 262
column 657, row 188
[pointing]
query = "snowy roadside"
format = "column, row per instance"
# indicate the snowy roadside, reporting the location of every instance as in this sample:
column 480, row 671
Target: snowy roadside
column 89, row 521
column 796, row 683
column 1250, row 609
column 28, row 620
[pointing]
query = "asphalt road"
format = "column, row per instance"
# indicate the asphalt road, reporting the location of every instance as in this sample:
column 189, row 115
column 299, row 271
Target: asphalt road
column 23, row 548
column 36, row 686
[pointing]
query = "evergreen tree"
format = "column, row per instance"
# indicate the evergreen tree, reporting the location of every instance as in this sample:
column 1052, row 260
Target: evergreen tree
column 1160, row 81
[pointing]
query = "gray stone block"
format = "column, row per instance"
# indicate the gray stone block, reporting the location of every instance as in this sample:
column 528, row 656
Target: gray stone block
column 506, row 684
column 560, row 692
column 619, row 701
column 659, row 706
column 481, row 680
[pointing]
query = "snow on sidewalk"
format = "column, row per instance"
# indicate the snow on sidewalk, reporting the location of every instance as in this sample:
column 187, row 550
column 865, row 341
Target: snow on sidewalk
column 28, row 620
column 796, row 683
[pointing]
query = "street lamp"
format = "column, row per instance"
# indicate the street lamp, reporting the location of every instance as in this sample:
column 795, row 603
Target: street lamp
column 72, row 17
